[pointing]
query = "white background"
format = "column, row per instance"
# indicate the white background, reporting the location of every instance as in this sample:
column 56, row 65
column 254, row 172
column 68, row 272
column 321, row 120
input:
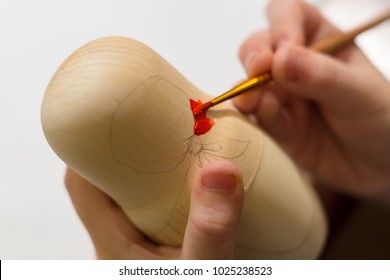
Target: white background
column 199, row 37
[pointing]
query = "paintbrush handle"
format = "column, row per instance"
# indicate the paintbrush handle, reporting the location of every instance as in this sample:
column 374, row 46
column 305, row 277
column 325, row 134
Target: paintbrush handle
column 329, row 45
column 248, row 84
column 338, row 41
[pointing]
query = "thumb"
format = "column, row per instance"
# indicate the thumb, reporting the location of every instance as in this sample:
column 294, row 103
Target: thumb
column 321, row 78
column 216, row 203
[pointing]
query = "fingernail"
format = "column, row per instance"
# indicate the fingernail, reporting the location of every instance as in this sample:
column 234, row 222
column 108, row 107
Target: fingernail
column 249, row 58
column 219, row 182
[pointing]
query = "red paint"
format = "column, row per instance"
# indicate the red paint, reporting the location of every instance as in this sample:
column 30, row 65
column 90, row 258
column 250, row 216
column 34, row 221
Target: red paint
column 202, row 122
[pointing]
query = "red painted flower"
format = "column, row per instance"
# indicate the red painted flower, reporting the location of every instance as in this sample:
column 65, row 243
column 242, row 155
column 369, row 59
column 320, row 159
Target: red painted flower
column 202, row 123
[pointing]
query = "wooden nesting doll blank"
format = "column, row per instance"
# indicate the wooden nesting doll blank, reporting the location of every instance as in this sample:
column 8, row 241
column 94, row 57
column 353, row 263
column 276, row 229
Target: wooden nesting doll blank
column 119, row 114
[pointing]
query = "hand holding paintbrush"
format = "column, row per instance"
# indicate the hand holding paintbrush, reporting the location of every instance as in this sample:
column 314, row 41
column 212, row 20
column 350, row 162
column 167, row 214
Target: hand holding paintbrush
column 329, row 112
column 329, row 45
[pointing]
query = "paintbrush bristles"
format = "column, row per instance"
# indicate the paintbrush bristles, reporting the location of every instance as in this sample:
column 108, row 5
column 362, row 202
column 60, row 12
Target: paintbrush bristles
column 203, row 108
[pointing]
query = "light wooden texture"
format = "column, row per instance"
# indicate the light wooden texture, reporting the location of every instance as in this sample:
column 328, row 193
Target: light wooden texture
column 119, row 114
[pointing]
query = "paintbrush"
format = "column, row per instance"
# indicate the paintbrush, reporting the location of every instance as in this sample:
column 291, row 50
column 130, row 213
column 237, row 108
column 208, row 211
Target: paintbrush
column 328, row 45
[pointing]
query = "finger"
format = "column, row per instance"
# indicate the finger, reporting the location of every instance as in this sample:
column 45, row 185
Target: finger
column 108, row 226
column 292, row 21
column 216, row 204
column 272, row 116
column 256, row 53
column 256, row 56
column 335, row 85
column 248, row 101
